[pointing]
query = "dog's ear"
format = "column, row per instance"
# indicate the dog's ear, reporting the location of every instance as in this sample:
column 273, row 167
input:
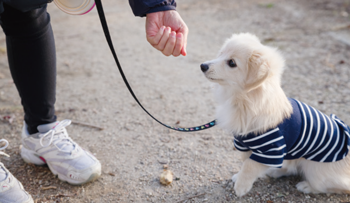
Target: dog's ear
column 258, row 71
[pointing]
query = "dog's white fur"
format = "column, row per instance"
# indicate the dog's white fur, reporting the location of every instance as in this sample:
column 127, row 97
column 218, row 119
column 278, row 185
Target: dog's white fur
column 250, row 99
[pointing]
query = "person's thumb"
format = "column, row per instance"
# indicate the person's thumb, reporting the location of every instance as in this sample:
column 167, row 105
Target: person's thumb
column 185, row 33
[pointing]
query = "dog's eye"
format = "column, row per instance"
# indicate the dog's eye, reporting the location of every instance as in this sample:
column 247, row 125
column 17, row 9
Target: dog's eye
column 232, row 63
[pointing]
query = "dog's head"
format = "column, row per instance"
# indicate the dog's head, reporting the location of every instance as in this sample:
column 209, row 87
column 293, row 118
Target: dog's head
column 244, row 63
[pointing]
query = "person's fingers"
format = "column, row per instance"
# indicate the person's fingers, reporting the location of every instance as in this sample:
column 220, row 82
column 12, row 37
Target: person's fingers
column 178, row 45
column 161, row 45
column 170, row 44
column 154, row 40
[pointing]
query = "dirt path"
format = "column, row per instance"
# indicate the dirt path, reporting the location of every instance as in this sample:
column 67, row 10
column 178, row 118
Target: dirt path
column 132, row 148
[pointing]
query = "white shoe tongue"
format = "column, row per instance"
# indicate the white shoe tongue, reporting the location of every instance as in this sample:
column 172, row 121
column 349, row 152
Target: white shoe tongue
column 46, row 127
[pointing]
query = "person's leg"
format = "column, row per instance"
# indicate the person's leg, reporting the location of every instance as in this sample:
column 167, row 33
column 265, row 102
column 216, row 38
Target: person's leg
column 26, row 34
column 32, row 60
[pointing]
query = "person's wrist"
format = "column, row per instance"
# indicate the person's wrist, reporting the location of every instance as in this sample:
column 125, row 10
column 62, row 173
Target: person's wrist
column 159, row 12
column 161, row 9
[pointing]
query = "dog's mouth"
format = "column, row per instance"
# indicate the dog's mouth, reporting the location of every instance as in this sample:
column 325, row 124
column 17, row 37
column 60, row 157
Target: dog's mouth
column 210, row 75
column 214, row 79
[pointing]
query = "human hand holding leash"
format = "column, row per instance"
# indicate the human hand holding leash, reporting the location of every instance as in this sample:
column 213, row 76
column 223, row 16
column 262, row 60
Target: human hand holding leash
column 167, row 32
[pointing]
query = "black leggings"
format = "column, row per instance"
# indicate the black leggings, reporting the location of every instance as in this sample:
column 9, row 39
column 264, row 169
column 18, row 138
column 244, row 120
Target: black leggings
column 32, row 61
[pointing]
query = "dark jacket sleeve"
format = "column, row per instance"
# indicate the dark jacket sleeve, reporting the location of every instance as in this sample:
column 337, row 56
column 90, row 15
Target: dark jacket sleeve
column 24, row 5
column 142, row 7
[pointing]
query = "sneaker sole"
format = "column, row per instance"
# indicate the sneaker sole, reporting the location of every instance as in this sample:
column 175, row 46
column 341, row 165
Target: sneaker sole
column 32, row 158
column 64, row 178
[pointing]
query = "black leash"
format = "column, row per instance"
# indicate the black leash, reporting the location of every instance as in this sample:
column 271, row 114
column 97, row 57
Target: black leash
column 110, row 44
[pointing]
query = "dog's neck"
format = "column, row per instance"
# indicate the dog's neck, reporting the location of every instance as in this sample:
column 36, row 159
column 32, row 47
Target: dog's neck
column 242, row 112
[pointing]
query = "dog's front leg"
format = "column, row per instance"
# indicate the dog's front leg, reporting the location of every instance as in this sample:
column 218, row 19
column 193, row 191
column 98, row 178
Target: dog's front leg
column 244, row 157
column 244, row 179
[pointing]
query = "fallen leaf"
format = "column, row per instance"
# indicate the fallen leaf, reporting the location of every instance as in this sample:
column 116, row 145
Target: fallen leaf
column 166, row 177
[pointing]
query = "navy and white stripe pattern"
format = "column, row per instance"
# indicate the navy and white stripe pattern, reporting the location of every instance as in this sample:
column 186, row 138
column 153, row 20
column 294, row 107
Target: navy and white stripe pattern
column 308, row 133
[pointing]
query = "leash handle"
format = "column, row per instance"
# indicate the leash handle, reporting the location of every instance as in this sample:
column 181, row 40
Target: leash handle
column 110, row 44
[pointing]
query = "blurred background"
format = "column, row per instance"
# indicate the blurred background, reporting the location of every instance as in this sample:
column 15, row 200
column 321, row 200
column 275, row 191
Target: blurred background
column 313, row 35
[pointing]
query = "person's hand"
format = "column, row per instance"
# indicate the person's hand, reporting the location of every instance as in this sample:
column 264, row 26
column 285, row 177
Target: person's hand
column 167, row 32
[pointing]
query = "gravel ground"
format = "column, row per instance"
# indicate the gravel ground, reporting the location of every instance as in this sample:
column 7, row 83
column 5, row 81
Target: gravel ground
column 313, row 35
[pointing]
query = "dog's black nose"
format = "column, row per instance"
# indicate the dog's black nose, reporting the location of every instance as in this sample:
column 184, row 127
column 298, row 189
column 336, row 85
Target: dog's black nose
column 204, row 67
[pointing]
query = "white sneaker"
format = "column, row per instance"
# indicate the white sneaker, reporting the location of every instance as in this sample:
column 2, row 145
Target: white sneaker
column 11, row 190
column 65, row 158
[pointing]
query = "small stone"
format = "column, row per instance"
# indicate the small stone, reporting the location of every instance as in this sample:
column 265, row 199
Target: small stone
column 344, row 14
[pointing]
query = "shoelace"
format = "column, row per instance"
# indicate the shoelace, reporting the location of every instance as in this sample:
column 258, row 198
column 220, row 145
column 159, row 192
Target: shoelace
column 59, row 135
column 4, row 147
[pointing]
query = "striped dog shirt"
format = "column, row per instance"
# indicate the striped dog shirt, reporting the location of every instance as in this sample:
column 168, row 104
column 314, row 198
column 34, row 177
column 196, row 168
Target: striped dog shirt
column 308, row 133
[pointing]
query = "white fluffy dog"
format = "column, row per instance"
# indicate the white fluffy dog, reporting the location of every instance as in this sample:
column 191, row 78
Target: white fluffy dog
column 279, row 136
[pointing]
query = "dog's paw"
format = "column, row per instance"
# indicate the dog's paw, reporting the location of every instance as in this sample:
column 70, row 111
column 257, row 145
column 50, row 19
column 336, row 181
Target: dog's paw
column 304, row 187
column 234, row 177
column 242, row 187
